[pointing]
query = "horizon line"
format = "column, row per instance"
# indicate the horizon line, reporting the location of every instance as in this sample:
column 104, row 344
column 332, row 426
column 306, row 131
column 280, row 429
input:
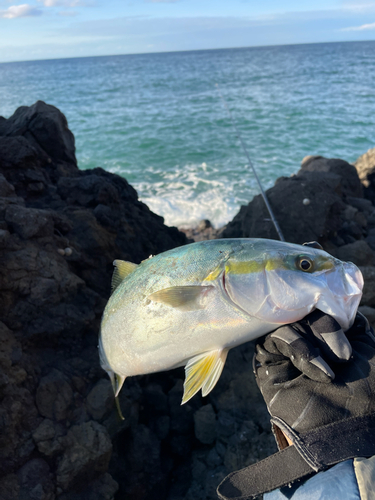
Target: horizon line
column 186, row 51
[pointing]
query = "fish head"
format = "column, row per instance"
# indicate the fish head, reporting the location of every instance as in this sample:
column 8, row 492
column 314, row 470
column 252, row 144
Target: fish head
column 281, row 283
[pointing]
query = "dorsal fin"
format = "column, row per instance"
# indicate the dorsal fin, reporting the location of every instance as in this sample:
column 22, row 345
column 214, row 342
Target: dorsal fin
column 122, row 269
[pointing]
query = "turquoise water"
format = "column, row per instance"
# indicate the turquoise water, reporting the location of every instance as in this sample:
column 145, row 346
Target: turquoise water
column 158, row 120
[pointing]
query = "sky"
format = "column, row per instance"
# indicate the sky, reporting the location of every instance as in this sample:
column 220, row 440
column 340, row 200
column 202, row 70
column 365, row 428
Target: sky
column 51, row 29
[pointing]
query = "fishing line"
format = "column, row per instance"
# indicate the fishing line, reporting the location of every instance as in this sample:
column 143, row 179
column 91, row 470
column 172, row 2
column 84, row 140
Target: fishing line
column 275, row 223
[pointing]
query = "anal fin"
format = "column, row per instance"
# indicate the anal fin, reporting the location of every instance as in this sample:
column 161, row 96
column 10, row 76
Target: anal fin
column 203, row 372
column 211, row 381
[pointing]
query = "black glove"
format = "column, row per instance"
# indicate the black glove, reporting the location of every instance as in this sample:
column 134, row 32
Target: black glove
column 327, row 422
column 312, row 345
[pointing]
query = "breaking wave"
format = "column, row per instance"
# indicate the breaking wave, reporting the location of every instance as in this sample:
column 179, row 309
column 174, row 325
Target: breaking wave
column 194, row 192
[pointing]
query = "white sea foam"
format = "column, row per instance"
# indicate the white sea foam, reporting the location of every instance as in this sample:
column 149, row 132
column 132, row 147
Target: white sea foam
column 194, row 192
column 178, row 211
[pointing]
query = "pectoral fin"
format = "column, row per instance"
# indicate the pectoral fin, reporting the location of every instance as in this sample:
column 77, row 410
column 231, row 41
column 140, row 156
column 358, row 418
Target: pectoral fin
column 202, row 372
column 122, row 269
column 187, row 298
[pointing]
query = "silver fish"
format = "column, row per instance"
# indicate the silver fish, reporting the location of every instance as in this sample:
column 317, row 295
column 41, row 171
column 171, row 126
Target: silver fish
column 189, row 306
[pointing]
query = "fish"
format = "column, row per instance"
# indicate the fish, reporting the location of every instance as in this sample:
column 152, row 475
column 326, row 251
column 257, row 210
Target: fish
column 190, row 305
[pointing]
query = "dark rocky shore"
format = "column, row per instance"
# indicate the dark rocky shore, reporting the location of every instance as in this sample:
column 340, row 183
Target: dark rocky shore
column 60, row 230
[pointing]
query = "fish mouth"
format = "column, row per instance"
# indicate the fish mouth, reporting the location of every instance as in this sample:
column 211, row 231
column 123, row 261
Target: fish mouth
column 341, row 298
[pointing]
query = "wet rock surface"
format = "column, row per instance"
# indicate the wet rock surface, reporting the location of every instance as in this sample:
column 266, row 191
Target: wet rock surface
column 60, row 230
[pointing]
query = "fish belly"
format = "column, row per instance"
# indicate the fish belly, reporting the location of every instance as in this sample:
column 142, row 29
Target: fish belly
column 156, row 337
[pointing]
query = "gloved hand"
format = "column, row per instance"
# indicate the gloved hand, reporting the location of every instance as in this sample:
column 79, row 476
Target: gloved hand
column 311, row 345
column 301, row 400
column 327, row 421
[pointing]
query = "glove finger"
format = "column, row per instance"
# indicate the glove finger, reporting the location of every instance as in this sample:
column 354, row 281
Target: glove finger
column 301, row 352
column 332, row 341
column 272, row 367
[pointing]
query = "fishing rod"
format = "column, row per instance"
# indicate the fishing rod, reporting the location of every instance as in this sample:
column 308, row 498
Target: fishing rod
column 275, row 223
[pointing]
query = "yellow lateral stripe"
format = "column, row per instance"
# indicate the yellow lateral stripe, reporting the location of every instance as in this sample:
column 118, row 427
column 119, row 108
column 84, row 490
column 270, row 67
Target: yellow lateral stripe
column 273, row 264
column 214, row 274
column 246, row 267
column 254, row 266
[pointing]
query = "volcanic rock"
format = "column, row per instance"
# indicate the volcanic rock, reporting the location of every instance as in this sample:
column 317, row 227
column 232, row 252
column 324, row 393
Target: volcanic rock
column 204, row 424
column 369, row 312
column 60, row 230
column 35, row 480
column 86, row 456
column 318, row 220
column 45, row 128
column 358, row 252
column 368, row 298
column 350, row 185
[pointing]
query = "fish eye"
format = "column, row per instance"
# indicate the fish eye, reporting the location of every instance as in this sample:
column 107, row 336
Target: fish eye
column 304, row 264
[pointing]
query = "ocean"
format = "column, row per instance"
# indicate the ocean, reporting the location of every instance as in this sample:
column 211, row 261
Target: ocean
column 158, row 119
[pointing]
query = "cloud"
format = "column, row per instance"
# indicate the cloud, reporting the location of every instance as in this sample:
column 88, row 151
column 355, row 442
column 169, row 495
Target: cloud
column 23, row 10
column 358, row 6
column 363, row 27
column 327, row 22
column 61, row 3
column 144, row 33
